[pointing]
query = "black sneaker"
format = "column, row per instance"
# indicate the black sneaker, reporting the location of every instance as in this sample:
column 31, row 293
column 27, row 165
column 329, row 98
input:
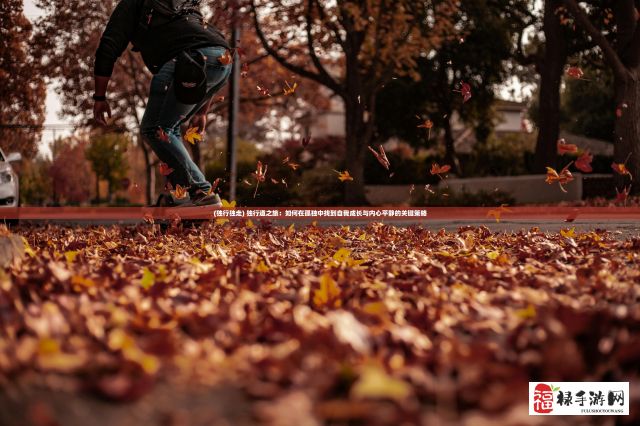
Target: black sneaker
column 207, row 200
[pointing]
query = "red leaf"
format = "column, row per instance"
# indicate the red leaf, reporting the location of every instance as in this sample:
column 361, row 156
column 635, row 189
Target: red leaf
column 583, row 163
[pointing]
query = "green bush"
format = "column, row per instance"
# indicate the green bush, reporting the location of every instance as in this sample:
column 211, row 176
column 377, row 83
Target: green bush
column 509, row 155
column 406, row 171
column 319, row 187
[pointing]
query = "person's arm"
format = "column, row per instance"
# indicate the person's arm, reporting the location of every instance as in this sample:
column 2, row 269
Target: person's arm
column 116, row 36
column 100, row 108
column 199, row 119
column 205, row 108
column 115, row 39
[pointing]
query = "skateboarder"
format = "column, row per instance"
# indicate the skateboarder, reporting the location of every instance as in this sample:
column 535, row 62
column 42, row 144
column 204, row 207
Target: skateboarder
column 184, row 55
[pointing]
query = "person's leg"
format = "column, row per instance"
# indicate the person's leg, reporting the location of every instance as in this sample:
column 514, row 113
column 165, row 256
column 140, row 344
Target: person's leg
column 165, row 112
column 217, row 75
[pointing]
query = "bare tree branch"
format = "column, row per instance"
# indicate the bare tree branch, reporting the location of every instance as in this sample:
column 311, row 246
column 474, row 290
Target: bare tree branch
column 288, row 65
column 330, row 25
column 312, row 52
column 609, row 53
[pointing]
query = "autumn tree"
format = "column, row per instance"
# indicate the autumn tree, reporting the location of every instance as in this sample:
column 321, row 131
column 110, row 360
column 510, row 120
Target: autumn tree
column 353, row 48
column 478, row 57
column 586, row 104
column 551, row 55
column 621, row 52
column 106, row 153
column 23, row 91
column 69, row 34
column 36, row 186
column 70, row 172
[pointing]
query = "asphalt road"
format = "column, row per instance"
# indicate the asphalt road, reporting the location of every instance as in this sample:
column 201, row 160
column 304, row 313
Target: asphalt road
column 621, row 228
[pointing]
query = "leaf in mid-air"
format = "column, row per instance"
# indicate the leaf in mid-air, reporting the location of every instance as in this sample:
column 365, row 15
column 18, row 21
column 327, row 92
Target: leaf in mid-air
column 583, row 163
column 562, row 178
column 564, row 147
column 165, row 170
column 575, row 72
column 180, row 193
column 436, row 169
column 465, row 89
column 192, row 135
column 289, row 90
column 344, row 176
column 381, row 156
column 226, row 58
column 162, row 135
column 621, row 169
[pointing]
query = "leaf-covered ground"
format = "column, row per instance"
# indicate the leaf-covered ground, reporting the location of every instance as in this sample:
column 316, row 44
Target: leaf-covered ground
column 375, row 325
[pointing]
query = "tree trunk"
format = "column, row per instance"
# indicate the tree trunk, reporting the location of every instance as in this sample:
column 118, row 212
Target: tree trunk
column 358, row 137
column 627, row 128
column 450, row 157
column 551, row 70
column 97, row 189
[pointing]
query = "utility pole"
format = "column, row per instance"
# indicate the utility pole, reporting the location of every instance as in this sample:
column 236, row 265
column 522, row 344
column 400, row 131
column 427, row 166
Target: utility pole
column 234, row 105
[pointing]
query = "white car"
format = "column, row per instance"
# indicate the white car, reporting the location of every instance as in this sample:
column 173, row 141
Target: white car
column 9, row 185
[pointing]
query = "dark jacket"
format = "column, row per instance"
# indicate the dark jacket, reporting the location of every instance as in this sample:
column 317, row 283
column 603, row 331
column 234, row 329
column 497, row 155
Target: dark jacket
column 158, row 44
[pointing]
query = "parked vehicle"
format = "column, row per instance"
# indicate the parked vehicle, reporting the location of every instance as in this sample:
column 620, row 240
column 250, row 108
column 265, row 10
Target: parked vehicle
column 9, row 184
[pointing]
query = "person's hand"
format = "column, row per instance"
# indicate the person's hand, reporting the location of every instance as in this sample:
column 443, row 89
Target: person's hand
column 199, row 121
column 99, row 109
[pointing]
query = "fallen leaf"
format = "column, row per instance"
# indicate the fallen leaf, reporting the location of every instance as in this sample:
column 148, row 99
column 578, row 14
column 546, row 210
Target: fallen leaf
column 375, row 383
column 328, row 294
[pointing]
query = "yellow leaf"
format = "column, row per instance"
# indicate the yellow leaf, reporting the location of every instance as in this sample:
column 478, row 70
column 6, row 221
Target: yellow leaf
column 180, row 192
column 378, row 309
column 120, row 340
column 292, row 227
column 342, row 255
column 27, row 248
column 149, row 363
column 82, row 281
column 48, row 346
column 262, row 267
column 363, row 237
column 344, row 176
column 192, row 135
column 111, row 245
column 569, row 233
column 528, row 312
column 493, row 255
column 148, row 279
column 375, row 308
column 250, row 224
column 71, row 255
column 375, row 383
column 221, row 221
column 328, row 292
column 228, row 205
column 51, row 357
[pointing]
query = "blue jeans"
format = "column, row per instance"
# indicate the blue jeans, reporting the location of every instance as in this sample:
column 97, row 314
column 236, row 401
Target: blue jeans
column 166, row 112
